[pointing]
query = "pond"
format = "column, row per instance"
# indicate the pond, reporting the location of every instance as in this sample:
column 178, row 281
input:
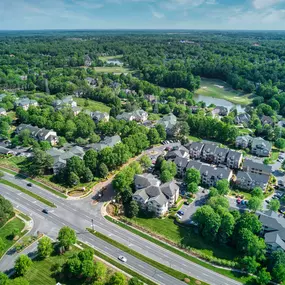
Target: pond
column 218, row 102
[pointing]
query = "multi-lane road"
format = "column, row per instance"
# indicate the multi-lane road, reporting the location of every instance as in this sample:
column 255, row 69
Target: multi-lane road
column 78, row 214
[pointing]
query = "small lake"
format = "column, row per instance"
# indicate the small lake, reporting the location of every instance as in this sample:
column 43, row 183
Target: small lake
column 218, row 102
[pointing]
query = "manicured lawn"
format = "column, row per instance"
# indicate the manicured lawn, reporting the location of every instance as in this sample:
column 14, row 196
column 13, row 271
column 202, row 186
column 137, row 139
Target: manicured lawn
column 246, row 195
column 105, row 58
column 113, row 69
column 7, row 230
column 220, row 89
column 194, row 139
column 274, row 154
column 19, row 162
column 185, row 236
column 92, row 105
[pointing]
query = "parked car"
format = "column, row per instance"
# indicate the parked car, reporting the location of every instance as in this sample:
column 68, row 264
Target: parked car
column 238, row 200
column 178, row 216
column 122, row 258
column 187, row 203
column 175, row 148
column 267, row 201
column 181, row 213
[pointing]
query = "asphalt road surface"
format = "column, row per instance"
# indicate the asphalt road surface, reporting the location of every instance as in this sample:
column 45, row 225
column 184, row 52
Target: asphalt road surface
column 78, row 215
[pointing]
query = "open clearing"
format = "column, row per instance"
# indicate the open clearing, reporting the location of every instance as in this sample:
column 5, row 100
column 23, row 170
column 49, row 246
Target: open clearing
column 113, row 69
column 105, row 58
column 92, row 105
column 220, row 89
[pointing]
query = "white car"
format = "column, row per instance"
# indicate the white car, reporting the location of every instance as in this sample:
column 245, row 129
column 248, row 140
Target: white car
column 122, row 258
column 178, row 216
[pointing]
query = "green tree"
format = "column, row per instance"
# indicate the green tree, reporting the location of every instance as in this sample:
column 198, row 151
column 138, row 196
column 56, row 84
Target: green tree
column 103, row 170
column 166, row 176
column 100, row 271
column 66, row 237
column 263, row 277
column 18, row 281
column 45, row 247
column 118, row 278
column 257, row 192
column 73, row 266
column 278, row 273
column 72, row 179
column 41, row 162
column 88, row 175
column 280, row 143
column 45, row 145
column 145, row 161
column 132, row 209
column 22, row 264
column 249, row 264
column 193, row 175
column 153, row 136
column 169, row 166
column 223, row 187
column 192, row 187
column 162, row 132
column 3, row 279
column 90, row 159
column 255, row 204
column 2, row 244
column 87, row 268
column 227, row 227
column 274, row 205
column 217, row 201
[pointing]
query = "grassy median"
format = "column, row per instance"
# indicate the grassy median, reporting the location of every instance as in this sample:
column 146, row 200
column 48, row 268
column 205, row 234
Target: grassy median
column 27, row 192
column 172, row 272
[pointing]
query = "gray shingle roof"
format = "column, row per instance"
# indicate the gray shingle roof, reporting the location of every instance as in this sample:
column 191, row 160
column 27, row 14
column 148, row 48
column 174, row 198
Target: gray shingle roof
column 209, row 148
column 273, row 237
column 234, row 155
column 248, row 176
column 168, row 121
column 221, row 152
column 181, row 162
column 145, row 180
column 169, row 189
column 196, row 146
column 248, row 163
column 256, row 142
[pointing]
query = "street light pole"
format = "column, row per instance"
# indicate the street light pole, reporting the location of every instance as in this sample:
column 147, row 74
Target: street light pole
column 92, row 224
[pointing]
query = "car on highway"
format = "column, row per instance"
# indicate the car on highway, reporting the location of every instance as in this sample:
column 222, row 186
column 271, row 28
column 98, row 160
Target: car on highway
column 45, row 211
column 30, row 184
column 180, row 213
column 122, row 258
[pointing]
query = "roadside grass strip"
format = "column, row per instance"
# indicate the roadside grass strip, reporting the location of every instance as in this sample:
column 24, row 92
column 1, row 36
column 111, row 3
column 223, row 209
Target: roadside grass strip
column 27, row 192
column 35, row 182
column 228, row 273
column 174, row 273
column 119, row 265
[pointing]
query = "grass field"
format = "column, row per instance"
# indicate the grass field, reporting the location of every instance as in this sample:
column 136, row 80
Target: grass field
column 213, row 88
column 185, row 236
column 6, row 233
column 105, row 58
column 92, row 105
column 113, row 69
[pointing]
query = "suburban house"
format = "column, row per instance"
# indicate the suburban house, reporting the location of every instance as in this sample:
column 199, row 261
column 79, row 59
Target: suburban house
column 107, row 142
column 76, row 110
column 280, row 124
column 210, row 174
column 3, row 112
column 208, row 153
column 195, row 149
column 153, row 196
column 91, row 81
column 266, row 120
column 242, row 119
column 168, row 122
column 39, row 134
column 137, row 115
column 273, row 228
column 67, row 101
column 220, row 111
column 243, row 141
column 248, row 180
column 60, row 156
column 87, row 60
column 150, row 98
column 260, row 147
column 25, row 103
column 234, row 159
column 255, row 167
column 98, row 116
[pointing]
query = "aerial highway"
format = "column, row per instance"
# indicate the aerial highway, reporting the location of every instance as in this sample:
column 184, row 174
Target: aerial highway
column 78, row 215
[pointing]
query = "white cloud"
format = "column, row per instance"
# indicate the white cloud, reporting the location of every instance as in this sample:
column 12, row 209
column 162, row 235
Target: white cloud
column 156, row 14
column 260, row 4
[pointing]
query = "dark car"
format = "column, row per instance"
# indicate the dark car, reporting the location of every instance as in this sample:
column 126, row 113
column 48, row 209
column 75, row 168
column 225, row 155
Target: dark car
column 30, row 184
column 181, row 213
column 45, row 211
column 187, row 203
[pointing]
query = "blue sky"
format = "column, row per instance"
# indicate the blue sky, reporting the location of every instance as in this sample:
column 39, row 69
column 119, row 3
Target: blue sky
column 142, row 14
